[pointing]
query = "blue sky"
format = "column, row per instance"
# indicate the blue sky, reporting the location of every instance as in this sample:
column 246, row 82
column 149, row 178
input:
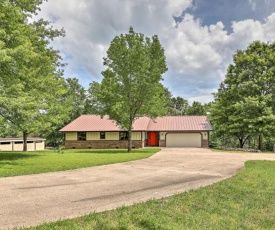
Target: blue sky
column 211, row 11
column 199, row 36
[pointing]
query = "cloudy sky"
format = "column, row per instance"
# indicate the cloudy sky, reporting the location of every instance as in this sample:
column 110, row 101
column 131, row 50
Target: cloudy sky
column 199, row 36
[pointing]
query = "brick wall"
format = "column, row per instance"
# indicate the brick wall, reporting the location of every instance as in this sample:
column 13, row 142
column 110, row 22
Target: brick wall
column 205, row 143
column 101, row 144
column 162, row 143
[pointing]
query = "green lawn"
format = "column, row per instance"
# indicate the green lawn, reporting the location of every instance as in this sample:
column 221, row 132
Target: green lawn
column 245, row 201
column 20, row 163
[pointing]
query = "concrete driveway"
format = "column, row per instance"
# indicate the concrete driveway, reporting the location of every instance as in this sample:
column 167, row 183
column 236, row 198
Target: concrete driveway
column 35, row 199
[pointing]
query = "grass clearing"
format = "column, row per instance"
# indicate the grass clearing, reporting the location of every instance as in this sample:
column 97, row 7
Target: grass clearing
column 23, row 163
column 245, row 201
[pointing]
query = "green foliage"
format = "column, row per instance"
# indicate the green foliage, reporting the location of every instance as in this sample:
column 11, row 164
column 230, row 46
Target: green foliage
column 7, row 129
column 92, row 103
column 60, row 149
column 244, row 105
column 31, row 87
column 197, row 109
column 21, row 163
column 245, row 201
column 76, row 97
column 131, row 86
column 177, row 106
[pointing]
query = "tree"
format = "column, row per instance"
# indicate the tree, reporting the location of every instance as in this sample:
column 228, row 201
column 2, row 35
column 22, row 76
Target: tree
column 92, row 103
column 197, row 109
column 178, row 106
column 226, row 119
column 245, row 103
column 131, row 86
column 7, row 129
column 32, row 90
column 76, row 97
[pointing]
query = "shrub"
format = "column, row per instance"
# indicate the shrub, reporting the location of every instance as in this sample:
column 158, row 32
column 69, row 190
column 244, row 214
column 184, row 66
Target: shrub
column 241, row 149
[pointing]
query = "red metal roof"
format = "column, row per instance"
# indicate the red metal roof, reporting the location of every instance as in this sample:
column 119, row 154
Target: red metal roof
column 180, row 123
column 89, row 123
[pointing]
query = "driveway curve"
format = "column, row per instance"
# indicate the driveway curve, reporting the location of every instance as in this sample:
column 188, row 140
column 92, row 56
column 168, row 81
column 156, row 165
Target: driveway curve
column 35, row 199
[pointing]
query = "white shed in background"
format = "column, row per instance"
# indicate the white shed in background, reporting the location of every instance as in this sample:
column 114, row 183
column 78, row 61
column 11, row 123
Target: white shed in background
column 16, row 144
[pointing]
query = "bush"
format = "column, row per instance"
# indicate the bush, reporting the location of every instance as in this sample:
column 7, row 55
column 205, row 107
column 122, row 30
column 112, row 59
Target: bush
column 241, row 149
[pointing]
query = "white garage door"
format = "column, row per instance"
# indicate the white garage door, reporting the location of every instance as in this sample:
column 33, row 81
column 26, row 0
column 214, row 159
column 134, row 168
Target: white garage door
column 183, row 140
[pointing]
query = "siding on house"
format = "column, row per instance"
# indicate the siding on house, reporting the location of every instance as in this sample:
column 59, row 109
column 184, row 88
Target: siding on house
column 112, row 136
column 95, row 136
column 71, row 136
column 136, row 136
column 162, row 135
column 143, row 136
column 92, row 136
column 109, row 136
column 204, row 135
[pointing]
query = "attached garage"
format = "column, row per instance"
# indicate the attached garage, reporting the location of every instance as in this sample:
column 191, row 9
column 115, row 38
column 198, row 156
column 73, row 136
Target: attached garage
column 183, row 140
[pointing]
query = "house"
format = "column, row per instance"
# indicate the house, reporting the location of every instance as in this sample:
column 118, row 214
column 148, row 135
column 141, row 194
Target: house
column 92, row 131
column 16, row 144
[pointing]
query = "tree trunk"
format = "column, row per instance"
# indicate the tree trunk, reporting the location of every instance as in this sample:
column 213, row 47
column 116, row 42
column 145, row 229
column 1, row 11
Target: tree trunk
column 25, row 146
column 260, row 146
column 241, row 142
column 130, row 140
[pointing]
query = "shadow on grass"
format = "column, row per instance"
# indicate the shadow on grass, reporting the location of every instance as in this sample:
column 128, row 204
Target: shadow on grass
column 12, row 156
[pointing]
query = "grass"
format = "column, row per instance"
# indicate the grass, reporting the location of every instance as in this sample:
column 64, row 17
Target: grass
column 245, row 201
column 244, row 152
column 20, row 163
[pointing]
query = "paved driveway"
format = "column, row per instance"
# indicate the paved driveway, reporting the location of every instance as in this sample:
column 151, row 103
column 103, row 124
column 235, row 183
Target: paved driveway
column 34, row 199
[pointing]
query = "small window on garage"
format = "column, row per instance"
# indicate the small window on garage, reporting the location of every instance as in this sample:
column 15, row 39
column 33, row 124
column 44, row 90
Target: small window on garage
column 5, row 143
column 102, row 135
column 18, row 142
column 81, row 136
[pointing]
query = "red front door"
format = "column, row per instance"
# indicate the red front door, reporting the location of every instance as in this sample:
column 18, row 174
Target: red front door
column 153, row 139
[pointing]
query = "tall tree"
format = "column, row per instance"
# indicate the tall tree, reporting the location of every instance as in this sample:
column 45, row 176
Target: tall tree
column 32, row 89
column 246, row 98
column 92, row 103
column 76, row 97
column 131, row 86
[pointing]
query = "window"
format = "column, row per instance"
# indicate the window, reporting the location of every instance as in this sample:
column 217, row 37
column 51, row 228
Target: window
column 81, row 136
column 18, row 142
column 5, row 143
column 102, row 135
column 123, row 135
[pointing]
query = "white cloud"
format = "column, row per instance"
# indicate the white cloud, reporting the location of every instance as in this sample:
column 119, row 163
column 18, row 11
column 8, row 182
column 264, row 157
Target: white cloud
column 204, row 96
column 269, row 28
column 197, row 55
